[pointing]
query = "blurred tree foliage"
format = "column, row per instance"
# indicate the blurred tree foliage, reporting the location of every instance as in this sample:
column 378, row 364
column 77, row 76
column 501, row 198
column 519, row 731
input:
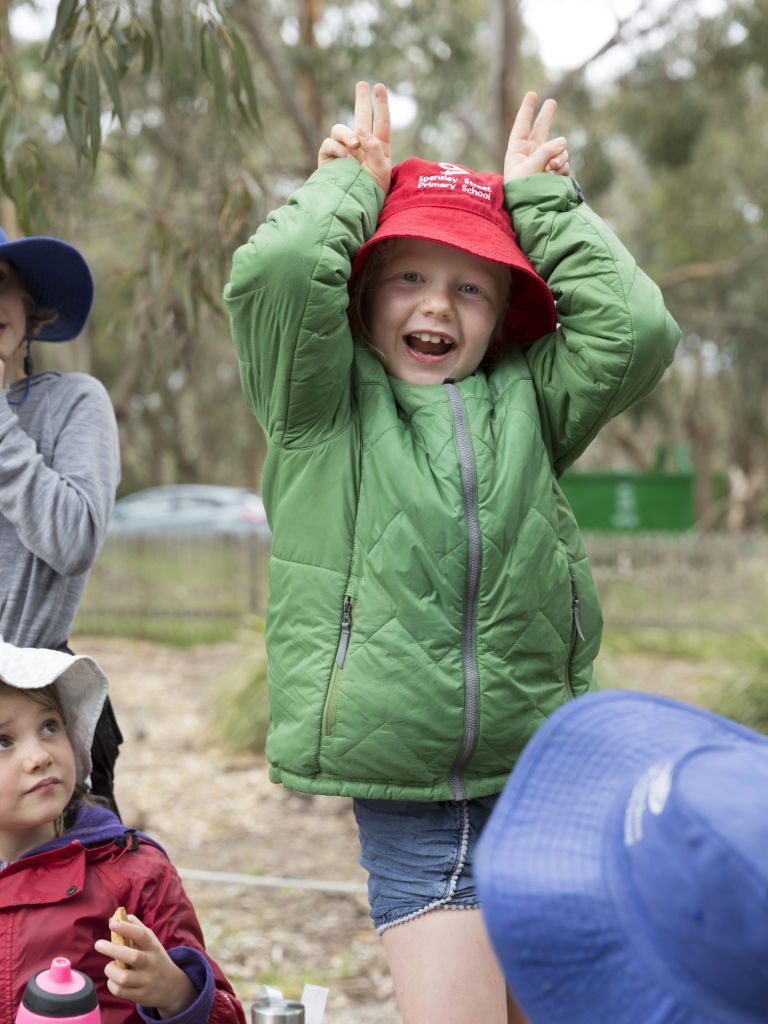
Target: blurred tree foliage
column 158, row 133
column 689, row 130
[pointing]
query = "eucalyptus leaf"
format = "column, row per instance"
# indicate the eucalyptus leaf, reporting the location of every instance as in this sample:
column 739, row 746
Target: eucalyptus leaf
column 147, row 54
column 245, row 77
column 216, row 70
column 71, row 109
column 94, row 111
column 112, row 83
column 157, row 22
column 66, row 12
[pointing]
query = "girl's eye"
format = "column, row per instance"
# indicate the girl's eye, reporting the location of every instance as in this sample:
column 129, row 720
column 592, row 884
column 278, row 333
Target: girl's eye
column 51, row 726
column 5, row 742
column 470, row 289
column 410, row 275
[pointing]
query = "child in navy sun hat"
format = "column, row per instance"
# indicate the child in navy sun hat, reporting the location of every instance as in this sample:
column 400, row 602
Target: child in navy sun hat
column 624, row 871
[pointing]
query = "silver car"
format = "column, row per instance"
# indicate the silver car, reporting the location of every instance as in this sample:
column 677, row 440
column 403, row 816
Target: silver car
column 190, row 508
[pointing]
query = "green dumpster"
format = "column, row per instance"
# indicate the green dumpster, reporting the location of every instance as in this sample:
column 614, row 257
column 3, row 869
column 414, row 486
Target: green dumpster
column 608, row 500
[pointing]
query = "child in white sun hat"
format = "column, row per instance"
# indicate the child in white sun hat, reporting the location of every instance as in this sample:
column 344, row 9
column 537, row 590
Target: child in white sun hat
column 67, row 863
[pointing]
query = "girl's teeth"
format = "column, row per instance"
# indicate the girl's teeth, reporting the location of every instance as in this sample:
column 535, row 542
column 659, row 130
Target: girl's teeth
column 430, row 337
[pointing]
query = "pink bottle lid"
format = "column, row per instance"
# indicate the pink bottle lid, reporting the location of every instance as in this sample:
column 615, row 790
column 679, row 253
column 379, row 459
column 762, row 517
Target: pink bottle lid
column 60, row 978
column 61, row 994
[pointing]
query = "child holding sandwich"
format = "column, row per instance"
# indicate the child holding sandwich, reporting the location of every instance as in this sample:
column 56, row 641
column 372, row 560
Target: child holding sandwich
column 67, row 862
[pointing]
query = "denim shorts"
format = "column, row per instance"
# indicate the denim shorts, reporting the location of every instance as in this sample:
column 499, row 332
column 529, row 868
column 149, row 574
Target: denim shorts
column 419, row 855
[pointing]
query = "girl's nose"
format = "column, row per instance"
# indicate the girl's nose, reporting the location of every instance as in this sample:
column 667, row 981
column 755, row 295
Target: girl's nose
column 437, row 302
column 37, row 756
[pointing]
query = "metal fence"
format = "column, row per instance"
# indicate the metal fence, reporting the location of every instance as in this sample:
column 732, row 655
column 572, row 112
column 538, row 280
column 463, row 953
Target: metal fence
column 683, row 580
column 178, row 576
column 713, row 581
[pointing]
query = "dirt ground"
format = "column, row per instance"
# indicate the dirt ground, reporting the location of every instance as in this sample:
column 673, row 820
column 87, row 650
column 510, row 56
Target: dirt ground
column 217, row 813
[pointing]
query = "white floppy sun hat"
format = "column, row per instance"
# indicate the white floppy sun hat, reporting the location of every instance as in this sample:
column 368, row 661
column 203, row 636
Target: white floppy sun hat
column 80, row 683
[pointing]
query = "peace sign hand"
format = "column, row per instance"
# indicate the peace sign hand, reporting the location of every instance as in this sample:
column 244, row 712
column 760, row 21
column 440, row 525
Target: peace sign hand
column 371, row 149
column 530, row 150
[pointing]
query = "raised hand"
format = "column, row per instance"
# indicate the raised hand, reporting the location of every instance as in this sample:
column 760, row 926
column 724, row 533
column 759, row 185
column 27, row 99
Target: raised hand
column 371, row 148
column 149, row 977
column 530, row 150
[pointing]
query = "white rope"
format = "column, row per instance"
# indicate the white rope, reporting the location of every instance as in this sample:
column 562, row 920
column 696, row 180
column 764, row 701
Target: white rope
column 271, row 881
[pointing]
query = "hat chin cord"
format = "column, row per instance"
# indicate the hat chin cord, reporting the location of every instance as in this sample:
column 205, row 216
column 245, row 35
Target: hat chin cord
column 27, row 374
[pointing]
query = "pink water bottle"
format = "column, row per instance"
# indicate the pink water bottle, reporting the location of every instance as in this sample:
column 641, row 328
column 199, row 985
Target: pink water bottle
column 60, row 993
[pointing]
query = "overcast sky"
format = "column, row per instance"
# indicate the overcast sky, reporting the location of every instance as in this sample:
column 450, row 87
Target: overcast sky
column 567, row 31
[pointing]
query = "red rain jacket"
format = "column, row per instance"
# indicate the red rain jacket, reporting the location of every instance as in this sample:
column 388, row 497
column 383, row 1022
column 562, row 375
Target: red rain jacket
column 58, row 902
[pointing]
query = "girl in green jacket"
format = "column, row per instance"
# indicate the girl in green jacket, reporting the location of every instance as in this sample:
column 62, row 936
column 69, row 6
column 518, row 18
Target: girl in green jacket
column 430, row 600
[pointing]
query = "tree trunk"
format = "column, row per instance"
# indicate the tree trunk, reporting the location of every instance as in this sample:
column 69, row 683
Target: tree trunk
column 250, row 20
column 5, row 43
column 308, row 17
column 7, row 209
column 506, row 25
column 701, row 435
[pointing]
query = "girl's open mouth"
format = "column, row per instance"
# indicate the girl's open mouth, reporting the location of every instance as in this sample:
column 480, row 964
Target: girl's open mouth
column 431, row 346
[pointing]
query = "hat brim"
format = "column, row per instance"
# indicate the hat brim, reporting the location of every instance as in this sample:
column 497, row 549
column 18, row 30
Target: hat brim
column 80, row 683
column 532, row 309
column 541, row 861
column 59, row 280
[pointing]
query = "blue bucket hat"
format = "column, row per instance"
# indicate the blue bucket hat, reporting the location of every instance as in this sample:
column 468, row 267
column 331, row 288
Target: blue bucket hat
column 57, row 277
column 624, row 871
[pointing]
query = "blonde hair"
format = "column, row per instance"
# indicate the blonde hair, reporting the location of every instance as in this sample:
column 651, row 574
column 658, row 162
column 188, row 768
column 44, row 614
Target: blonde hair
column 358, row 310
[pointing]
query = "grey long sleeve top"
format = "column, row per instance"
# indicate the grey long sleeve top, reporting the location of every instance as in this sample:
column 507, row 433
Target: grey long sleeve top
column 59, row 470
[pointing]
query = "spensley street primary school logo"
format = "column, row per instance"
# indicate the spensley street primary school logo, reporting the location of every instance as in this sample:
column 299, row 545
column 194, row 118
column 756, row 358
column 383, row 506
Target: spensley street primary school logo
column 455, row 178
column 453, row 168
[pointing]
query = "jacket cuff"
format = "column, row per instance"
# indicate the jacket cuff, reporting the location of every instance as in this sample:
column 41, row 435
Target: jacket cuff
column 545, row 191
column 345, row 174
column 195, row 965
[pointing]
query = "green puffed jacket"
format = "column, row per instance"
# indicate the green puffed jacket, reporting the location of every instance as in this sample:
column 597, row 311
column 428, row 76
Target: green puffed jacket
column 430, row 601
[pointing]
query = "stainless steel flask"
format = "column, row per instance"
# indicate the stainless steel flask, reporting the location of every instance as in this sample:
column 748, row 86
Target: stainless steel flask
column 277, row 1011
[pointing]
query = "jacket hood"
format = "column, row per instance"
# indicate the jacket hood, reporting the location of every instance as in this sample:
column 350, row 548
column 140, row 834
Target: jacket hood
column 94, row 824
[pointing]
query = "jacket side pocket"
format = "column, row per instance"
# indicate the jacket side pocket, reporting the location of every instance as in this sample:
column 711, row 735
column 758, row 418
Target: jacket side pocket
column 329, row 710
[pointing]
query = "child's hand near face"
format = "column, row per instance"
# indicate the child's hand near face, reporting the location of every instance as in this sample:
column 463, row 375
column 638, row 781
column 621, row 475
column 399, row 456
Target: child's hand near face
column 530, row 150
column 371, row 149
column 150, row 976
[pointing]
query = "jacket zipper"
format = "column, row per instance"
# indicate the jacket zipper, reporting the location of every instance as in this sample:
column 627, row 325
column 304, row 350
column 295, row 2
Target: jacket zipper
column 346, row 629
column 576, row 606
column 329, row 711
column 471, row 588
column 576, row 632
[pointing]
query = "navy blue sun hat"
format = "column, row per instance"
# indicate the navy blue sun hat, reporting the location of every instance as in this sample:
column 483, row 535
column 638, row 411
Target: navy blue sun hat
column 58, row 279
column 623, row 873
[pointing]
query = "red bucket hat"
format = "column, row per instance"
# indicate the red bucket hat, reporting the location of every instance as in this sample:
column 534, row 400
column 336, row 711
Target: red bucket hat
column 450, row 204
